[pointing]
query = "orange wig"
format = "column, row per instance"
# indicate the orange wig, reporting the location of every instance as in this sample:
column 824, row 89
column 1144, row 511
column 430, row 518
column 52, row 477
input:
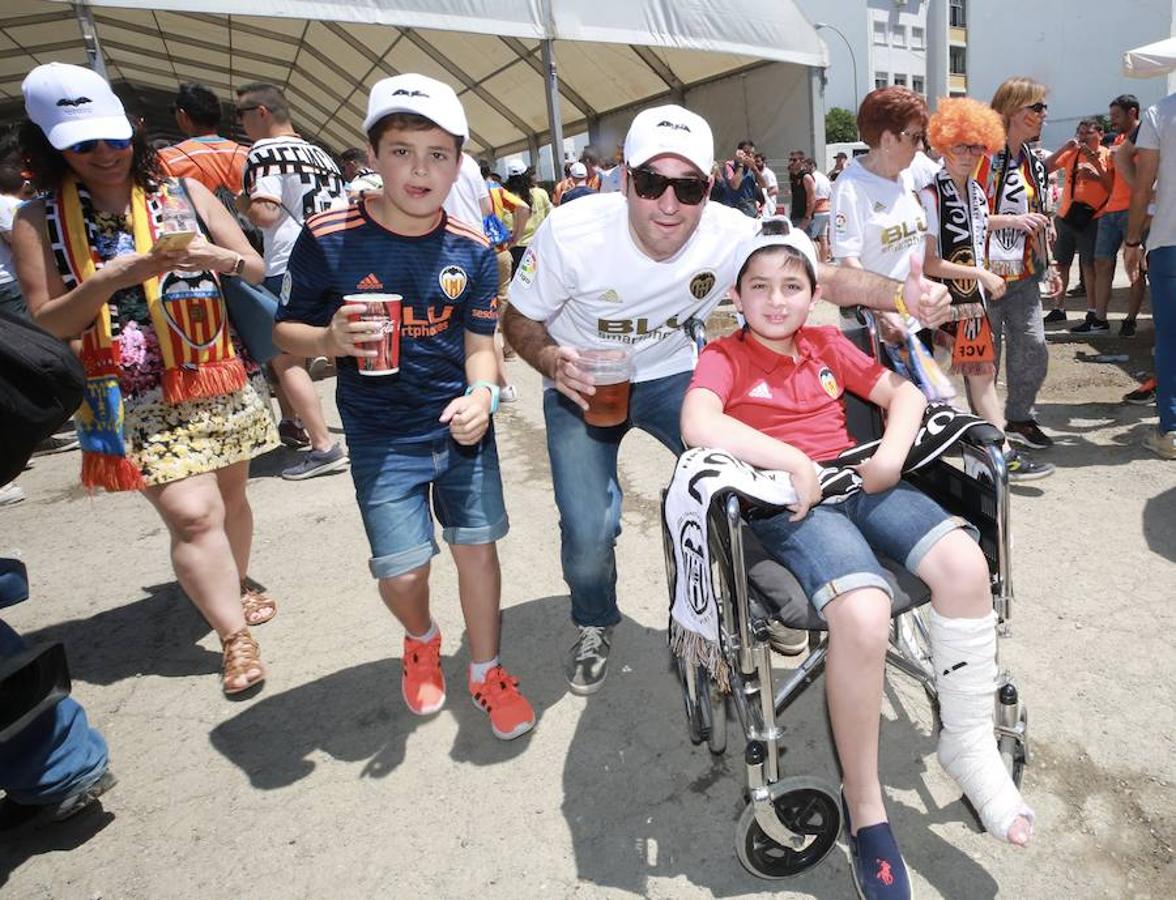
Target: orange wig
column 961, row 120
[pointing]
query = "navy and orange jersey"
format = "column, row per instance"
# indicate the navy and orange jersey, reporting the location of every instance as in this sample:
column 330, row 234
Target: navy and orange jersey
column 448, row 279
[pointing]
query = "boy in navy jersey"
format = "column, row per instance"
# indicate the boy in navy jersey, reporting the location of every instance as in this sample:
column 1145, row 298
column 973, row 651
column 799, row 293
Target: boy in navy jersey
column 427, row 429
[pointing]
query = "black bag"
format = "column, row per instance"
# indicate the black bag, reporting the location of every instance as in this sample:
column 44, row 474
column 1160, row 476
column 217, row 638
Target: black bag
column 41, row 383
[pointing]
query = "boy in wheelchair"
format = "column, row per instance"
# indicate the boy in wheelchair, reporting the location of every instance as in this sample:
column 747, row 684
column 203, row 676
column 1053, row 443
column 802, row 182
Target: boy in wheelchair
column 771, row 395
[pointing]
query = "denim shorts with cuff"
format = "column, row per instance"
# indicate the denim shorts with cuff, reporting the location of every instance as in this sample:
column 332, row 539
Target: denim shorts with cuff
column 831, row 550
column 394, row 484
column 1112, row 231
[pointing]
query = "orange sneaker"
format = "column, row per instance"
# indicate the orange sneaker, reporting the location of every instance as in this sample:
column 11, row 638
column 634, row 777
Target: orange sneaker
column 423, row 683
column 498, row 696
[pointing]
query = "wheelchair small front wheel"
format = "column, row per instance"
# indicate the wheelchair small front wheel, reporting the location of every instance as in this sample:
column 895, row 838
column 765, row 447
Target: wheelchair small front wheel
column 805, row 806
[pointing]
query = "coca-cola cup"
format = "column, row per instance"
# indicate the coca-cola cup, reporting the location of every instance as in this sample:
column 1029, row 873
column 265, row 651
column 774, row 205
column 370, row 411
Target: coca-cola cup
column 384, row 309
column 610, row 371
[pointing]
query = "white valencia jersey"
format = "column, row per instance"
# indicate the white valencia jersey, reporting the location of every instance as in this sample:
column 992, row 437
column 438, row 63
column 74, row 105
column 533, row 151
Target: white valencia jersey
column 584, row 277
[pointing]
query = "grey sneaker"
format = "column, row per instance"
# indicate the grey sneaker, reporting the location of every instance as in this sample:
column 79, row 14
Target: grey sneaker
column 21, row 817
column 787, row 641
column 317, row 462
column 588, row 660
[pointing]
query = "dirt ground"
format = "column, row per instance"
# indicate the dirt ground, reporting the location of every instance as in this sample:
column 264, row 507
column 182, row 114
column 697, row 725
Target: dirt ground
column 323, row 785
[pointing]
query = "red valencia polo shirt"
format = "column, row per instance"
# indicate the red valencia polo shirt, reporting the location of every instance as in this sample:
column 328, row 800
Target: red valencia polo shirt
column 797, row 401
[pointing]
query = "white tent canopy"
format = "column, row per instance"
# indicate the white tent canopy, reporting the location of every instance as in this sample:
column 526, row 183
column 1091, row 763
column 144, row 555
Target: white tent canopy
column 611, row 54
column 1151, row 60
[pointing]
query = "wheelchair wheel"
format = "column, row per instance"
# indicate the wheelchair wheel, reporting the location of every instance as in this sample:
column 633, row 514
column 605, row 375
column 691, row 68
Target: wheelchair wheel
column 804, row 806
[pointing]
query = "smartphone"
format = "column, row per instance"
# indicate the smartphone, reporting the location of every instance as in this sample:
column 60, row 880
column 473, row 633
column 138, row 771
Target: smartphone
column 173, row 240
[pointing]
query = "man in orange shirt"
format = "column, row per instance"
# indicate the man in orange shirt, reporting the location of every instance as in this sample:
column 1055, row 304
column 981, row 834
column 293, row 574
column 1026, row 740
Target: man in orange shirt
column 1086, row 164
column 1112, row 224
column 214, row 161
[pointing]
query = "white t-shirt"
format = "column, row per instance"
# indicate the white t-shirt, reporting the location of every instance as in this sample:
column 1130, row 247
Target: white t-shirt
column 610, row 181
column 299, row 176
column 770, row 200
column 8, row 205
column 465, row 197
column 923, row 170
column 822, row 186
column 1157, row 131
column 878, row 220
column 585, row 278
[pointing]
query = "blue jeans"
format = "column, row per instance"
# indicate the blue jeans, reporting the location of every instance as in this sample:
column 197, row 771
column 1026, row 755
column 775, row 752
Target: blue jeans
column 57, row 755
column 588, row 492
column 1161, row 264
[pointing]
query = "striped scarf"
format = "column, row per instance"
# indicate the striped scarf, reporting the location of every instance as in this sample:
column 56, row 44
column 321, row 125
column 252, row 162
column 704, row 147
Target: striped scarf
column 187, row 314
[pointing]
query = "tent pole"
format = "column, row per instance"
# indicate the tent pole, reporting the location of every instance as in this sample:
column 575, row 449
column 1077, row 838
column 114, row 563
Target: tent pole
column 553, row 117
column 90, row 38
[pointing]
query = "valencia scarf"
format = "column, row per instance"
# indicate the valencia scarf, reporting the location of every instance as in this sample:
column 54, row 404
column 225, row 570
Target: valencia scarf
column 187, row 314
column 1014, row 187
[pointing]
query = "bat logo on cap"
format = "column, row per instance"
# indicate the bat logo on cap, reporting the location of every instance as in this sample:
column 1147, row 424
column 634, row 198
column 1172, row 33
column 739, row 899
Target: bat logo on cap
column 405, row 92
column 677, row 126
column 65, row 101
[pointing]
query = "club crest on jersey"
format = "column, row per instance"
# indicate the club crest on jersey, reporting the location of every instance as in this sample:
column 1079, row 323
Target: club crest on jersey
column 829, row 382
column 453, row 280
column 702, row 284
column 840, row 223
column 287, row 283
column 527, row 266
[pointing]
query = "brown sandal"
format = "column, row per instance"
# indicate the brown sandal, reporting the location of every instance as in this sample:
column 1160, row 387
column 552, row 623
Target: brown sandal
column 256, row 602
column 241, row 656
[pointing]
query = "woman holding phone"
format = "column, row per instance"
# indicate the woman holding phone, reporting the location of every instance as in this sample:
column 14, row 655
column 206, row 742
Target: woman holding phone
column 174, row 408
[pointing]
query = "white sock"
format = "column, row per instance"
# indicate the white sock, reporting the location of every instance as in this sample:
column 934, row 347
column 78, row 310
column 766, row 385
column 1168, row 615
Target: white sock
column 479, row 670
column 427, row 636
column 963, row 652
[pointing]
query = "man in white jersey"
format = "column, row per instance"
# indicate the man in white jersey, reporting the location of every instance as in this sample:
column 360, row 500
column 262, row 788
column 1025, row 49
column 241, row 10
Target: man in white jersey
column 288, row 179
column 469, row 198
column 670, row 258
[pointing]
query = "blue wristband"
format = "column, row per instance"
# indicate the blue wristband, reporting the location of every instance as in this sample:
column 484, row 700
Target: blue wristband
column 491, row 387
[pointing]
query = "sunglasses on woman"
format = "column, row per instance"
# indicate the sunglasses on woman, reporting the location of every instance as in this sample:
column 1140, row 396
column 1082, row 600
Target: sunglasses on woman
column 90, row 146
column 1037, row 107
column 649, row 185
column 973, row 149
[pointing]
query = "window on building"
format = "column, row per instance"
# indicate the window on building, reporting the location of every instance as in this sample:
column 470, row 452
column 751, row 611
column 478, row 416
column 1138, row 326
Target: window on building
column 881, row 80
column 898, row 36
column 880, row 33
column 958, row 60
column 918, row 85
column 900, row 80
column 918, row 38
column 959, row 13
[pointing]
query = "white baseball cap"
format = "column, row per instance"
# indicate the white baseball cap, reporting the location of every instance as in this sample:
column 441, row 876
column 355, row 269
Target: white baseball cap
column 419, row 94
column 670, row 129
column 516, row 167
column 578, row 170
column 72, row 104
column 777, row 231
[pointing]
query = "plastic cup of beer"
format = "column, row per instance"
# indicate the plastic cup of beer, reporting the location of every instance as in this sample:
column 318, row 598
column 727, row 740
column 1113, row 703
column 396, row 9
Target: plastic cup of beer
column 384, row 309
column 610, row 371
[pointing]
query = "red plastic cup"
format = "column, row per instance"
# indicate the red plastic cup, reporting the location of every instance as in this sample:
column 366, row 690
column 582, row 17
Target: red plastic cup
column 385, row 309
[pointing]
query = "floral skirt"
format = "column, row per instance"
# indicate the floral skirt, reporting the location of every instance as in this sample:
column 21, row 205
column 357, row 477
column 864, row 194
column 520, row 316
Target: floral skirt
column 171, row 441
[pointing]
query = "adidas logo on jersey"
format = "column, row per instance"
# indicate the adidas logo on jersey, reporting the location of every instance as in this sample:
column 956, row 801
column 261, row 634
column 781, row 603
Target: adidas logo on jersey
column 610, row 296
column 370, row 282
column 761, row 390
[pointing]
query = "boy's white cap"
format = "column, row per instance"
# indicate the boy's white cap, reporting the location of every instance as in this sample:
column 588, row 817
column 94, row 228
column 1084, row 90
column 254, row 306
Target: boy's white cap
column 781, row 233
column 72, row 104
column 578, row 170
column 516, row 167
column 670, row 129
column 419, row 94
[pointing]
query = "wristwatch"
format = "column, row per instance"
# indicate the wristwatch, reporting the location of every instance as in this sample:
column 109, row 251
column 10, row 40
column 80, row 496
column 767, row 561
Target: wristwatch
column 238, row 266
column 491, row 387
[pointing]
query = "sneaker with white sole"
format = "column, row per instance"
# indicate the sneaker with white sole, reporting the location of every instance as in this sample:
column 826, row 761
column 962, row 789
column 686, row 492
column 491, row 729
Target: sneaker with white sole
column 317, row 462
column 498, row 696
column 1161, row 443
column 587, row 663
column 11, row 494
column 1023, row 467
column 1028, row 434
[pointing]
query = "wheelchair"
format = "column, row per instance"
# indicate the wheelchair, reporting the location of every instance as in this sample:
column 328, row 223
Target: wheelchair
column 790, row 823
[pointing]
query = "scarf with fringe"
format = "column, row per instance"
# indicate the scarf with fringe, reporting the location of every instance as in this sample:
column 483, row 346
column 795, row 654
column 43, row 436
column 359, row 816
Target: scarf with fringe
column 187, row 314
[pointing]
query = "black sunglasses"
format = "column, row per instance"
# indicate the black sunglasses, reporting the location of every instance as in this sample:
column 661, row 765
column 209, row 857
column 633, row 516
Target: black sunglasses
column 1038, row 107
column 240, row 111
column 650, row 185
column 90, row 146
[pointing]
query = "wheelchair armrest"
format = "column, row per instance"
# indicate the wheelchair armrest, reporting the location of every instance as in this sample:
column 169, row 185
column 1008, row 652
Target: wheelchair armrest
column 983, row 436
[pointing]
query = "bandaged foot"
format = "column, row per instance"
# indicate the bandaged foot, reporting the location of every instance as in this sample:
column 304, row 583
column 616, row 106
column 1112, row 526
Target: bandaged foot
column 963, row 652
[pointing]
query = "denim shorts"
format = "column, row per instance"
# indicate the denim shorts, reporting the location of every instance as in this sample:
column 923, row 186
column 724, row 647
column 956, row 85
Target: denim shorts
column 1112, row 231
column 831, row 550
column 393, row 483
column 818, row 225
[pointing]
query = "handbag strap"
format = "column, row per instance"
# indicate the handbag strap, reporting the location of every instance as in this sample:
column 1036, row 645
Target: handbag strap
column 1074, row 184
